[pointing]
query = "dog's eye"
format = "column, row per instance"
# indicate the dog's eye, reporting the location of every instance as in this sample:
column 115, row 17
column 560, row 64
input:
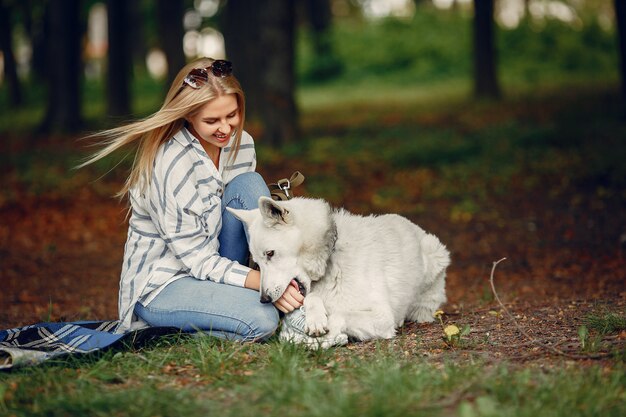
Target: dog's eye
column 269, row 254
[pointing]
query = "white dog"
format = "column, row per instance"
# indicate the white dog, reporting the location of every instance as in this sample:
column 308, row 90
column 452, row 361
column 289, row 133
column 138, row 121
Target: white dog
column 361, row 276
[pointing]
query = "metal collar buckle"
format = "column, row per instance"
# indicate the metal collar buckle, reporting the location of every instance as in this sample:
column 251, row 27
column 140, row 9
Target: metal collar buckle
column 284, row 185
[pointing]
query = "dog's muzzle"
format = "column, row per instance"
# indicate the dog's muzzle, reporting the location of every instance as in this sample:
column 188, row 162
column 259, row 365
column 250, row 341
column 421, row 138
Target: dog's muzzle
column 266, row 299
column 300, row 286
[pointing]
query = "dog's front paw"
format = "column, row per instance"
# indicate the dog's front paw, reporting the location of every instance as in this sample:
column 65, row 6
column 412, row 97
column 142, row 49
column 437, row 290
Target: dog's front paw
column 331, row 340
column 316, row 324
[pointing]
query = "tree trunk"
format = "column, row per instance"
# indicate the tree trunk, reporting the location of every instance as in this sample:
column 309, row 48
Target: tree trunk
column 63, row 67
column 620, row 17
column 137, row 41
column 485, row 75
column 36, row 25
column 119, row 64
column 259, row 37
column 277, row 73
column 527, row 9
column 326, row 63
column 6, row 46
column 419, row 3
column 170, row 23
column 241, row 27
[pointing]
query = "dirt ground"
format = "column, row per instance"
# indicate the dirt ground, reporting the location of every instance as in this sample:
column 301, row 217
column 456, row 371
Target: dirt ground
column 61, row 260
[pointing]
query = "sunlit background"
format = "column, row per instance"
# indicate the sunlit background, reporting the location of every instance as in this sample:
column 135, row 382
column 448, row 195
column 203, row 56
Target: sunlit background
column 203, row 39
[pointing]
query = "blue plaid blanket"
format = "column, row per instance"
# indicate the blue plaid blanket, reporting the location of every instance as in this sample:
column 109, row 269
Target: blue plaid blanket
column 34, row 344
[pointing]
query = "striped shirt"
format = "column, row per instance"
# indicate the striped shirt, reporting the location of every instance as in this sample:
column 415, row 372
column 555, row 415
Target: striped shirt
column 174, row 225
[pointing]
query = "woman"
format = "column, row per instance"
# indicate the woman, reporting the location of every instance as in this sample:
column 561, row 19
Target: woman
column 185, row 255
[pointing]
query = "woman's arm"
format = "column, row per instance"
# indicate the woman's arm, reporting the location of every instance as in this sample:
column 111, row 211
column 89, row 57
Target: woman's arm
column 253, row 280
column 185, row 206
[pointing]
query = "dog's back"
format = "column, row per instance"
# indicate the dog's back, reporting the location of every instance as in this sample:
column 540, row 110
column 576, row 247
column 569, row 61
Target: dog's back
column 388, row 260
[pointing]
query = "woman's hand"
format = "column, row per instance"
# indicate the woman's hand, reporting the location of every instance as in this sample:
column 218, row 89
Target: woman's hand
column 290, row 300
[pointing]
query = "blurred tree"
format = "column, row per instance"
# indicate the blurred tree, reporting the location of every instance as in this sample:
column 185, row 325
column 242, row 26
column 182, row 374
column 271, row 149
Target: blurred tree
column 240, row 25
column 485, row 74
column 526, row 9
column 326, row 63
column 6, row 46
column 119, row 58
column 259, row 39
column 36, row 26
column 171, row 31
column 137, row 38
column 64, row 73
column 277, row 41
column 620, row 17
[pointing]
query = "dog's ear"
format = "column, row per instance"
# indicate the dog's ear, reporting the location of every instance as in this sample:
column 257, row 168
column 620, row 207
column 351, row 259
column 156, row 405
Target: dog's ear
column 246, row 216
column 273, row 213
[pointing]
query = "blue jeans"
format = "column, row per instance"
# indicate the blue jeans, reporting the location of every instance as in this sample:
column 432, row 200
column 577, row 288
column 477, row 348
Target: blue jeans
column 221, row 310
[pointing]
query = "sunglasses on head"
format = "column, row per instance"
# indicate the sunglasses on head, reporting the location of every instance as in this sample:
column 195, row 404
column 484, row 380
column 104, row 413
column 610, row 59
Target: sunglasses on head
column 197, row 77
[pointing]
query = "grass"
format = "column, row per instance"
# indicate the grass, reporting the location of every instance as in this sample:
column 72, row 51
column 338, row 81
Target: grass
column 597, row 326
column 607, row 323
column 204, row 376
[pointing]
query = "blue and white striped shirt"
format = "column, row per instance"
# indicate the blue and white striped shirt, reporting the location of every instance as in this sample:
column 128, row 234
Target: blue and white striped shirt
column 175, row 223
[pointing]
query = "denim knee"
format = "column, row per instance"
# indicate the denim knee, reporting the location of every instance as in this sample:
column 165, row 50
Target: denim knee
column 265, row 323
column 246, row 188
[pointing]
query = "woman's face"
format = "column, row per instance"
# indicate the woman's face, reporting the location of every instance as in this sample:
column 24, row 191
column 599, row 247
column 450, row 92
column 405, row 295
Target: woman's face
column 216, row 121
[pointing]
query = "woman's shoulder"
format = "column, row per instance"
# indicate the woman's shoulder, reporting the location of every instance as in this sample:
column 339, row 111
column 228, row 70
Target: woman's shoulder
column 168, row 152
column 246, row 138
column 173, row 154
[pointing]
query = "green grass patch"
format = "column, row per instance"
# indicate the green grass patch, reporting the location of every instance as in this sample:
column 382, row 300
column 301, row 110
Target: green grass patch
column 204, row 376
column 606, row 324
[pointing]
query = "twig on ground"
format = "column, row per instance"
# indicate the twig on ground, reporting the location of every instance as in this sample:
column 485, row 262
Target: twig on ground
column 528, row 336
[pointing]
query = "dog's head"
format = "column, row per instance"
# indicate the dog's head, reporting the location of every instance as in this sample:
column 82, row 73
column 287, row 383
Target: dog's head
column 289, row 240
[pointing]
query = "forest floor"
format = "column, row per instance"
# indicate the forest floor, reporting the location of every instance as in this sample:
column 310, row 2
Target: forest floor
column 564, row 242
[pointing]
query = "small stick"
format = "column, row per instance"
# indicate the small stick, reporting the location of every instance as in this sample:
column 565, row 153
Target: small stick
column 528, row 336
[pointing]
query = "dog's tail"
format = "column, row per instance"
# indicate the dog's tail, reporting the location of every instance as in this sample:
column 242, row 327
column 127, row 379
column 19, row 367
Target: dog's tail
column 435, row 255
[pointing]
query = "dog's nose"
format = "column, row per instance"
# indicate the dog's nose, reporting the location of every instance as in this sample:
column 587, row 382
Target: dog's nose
column 265, row 299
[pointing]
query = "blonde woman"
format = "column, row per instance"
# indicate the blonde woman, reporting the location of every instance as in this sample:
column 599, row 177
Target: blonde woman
column 185, row 255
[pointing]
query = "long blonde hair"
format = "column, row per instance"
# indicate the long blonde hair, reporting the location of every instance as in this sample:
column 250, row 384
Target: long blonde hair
column 150, row 133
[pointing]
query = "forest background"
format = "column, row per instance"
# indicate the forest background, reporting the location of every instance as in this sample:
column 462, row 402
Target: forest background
column 496, row 125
